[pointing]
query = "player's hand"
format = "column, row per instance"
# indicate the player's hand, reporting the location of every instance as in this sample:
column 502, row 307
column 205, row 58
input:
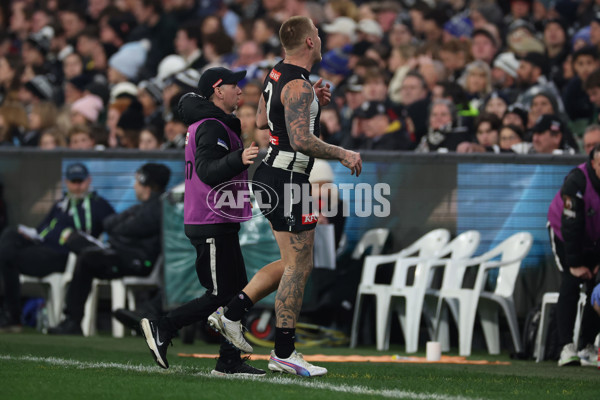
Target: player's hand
column 250, row 154
column 581, row 272
column 353, row 162
column 323, row 92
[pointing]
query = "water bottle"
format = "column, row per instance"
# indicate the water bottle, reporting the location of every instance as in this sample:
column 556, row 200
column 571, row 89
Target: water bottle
column 42, row 319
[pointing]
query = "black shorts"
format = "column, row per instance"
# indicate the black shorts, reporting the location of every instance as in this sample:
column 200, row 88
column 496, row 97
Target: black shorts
column 284, row 199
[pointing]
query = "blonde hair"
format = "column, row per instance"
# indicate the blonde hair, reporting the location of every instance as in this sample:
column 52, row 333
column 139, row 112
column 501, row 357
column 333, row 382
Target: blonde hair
column 294, row 31
column 57, row 135
column 47, row 112
column 15, row 119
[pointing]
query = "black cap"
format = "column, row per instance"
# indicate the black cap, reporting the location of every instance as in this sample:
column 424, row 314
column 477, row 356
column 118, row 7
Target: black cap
column 370, row 109
column 154, row 174
column 547, row 122
column 40, row 42
column 77, row 172
column 213, row 77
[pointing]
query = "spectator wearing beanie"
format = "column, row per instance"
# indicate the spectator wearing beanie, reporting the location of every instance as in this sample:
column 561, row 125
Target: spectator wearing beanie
column 130, row 125
column 126, row 63
column 341, row 32
column 334, row 68
column 182, row 82
column 86, row 110
column 169, row 66
column 504, row 74
column 150, row 95
column 36, row 90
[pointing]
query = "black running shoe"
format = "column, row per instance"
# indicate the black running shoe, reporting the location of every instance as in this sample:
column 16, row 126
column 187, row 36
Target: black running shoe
column 67, row 327
column 237, row 367
column 158, row 341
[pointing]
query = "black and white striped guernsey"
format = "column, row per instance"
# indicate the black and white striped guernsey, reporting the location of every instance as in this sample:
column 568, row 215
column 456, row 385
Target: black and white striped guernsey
column 281, row 154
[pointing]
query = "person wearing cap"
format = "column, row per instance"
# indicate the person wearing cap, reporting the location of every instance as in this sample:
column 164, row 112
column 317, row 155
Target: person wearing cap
column 43, row 250
column 214, row 156
column 341, row 32
column 290, row 108
column 531, row 80
column 379, row 130
column 548, row 138
column 574, row 228
column 132, row 248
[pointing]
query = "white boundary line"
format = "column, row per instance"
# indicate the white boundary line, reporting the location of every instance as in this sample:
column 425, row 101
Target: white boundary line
column 302, row 382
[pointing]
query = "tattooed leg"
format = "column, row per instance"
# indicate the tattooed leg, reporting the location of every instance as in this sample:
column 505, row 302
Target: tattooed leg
column 297, row 256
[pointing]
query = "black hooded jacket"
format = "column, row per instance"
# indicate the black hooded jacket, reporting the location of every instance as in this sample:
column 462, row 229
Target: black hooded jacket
column 214, row 164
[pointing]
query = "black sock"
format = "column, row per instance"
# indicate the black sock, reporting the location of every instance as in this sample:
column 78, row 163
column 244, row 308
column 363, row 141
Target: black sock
column 238, row 306
column 284, row 342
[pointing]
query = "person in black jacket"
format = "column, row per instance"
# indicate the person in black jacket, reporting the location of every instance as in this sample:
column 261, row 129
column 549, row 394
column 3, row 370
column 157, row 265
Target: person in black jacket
column 214, row 155
column 133, row 245
column 42, row 251
column 574, row 227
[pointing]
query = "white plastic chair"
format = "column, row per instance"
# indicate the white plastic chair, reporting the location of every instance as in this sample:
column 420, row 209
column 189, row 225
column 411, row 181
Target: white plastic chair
column 426, row 246
column 469, row 301
column 373, row 238
column 55, row 286
column 548, row 299
column 411, row 308
column 121, row 291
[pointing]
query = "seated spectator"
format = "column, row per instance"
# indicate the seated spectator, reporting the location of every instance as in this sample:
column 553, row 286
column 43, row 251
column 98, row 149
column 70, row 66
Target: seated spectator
column 330, row 118
column 591, row 138
column 80, row 138
column 13, row 123
column 175, row 130
column 10, row 74
column 532, row 80
column 51, row 139
column 72, row 66
column 486, row 135
column 477, row 82
column 515, row 115
column 86, row 110
column 496, row 103
column 115, row 109
column 442, row 135
column 129, row 126
column 509, row 136
column 41, row 117
column 182, row 82
column 247, row 116
column 542, row 103
column 35, row 90
column 504, row 74
column 150, row 138
column 577, row 103
column 41, row 251
column 379, row 130
column 133, row 246
column 151, row 97
column 548, row 138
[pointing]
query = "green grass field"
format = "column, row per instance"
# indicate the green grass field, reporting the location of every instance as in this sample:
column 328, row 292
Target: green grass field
column 36, row 366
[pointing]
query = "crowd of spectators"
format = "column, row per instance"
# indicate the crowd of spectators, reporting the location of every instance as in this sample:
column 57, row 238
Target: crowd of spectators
column 456, row 75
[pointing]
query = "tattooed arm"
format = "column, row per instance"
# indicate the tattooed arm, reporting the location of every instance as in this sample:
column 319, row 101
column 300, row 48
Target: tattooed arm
column 261, row 114
column 297, row 96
